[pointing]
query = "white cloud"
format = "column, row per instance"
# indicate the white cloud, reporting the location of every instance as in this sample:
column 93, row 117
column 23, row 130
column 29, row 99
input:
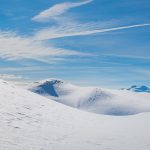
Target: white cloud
column 77, row 30
column 128, row 56
column 67, row 26
column 58, row 10
column 13, row 46
column 10, row 77
column 15, row 79
column 142, row 72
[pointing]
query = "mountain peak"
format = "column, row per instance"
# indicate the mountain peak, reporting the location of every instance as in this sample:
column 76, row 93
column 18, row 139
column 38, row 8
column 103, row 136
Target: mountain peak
column 141, row 88
column 50, row 81
column 48, row 87
column 93, row 99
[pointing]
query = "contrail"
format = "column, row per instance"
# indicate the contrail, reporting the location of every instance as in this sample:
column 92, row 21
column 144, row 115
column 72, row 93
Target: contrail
column 112, row 29
column 53, row 34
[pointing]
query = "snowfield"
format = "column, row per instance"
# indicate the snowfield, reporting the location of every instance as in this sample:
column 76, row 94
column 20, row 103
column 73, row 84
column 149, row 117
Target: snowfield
column 29, row 121
column 93, row 99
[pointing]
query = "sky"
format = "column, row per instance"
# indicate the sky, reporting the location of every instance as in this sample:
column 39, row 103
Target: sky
column 87, row 42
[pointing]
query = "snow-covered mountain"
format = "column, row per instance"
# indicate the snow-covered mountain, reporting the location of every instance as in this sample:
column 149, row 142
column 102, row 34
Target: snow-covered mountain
column 30, row 121
column 136, row 88
column 93, row 99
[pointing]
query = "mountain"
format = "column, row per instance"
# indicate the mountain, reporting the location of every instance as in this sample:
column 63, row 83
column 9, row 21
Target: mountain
column 93, row 99
column 30, row 121
column 136, row 88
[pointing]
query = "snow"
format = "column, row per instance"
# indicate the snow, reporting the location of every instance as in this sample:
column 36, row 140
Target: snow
column 93, row 99
column 32, row 122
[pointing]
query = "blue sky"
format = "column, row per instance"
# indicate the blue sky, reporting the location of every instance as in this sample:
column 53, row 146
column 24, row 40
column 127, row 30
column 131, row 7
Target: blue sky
column 88, row 42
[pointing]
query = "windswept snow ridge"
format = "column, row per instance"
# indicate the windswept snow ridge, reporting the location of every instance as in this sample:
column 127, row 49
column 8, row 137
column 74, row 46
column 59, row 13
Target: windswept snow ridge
column 94, row 99
column 31, row 122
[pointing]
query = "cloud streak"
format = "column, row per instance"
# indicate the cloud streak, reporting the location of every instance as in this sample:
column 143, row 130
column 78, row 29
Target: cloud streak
column 79, row 30
column 15, row 79
column 58, row 10
column 10, row 77
column 14, row 46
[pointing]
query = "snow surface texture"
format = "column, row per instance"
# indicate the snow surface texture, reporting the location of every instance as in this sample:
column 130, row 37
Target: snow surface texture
column 136, row 88
column 93, row 99
column 32, row 122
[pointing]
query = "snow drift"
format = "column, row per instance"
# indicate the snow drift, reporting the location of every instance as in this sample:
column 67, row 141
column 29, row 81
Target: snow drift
column 29, row 121
column 93, row 99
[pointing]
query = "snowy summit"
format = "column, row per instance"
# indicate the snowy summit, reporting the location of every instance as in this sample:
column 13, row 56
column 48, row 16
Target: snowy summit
column 93, row 99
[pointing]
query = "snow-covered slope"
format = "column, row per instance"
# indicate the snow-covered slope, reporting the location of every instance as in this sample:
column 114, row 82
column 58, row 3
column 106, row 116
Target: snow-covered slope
column 31, row 122
column 94, row 99
column 136, row 88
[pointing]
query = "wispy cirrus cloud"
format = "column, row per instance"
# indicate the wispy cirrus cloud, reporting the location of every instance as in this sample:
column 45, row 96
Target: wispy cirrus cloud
column 58, row 10
column 67, row 26
column 10, row 77
column 15, row 79
column 14, row 46
column 78, row 30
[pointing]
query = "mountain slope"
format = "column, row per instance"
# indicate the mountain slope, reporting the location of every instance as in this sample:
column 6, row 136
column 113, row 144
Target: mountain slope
column 29, row 121
column 93, row 99
column 136, row 88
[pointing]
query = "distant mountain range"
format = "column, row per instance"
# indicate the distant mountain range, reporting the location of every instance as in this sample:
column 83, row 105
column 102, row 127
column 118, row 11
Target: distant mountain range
column 93, row 99
column 136, row 88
